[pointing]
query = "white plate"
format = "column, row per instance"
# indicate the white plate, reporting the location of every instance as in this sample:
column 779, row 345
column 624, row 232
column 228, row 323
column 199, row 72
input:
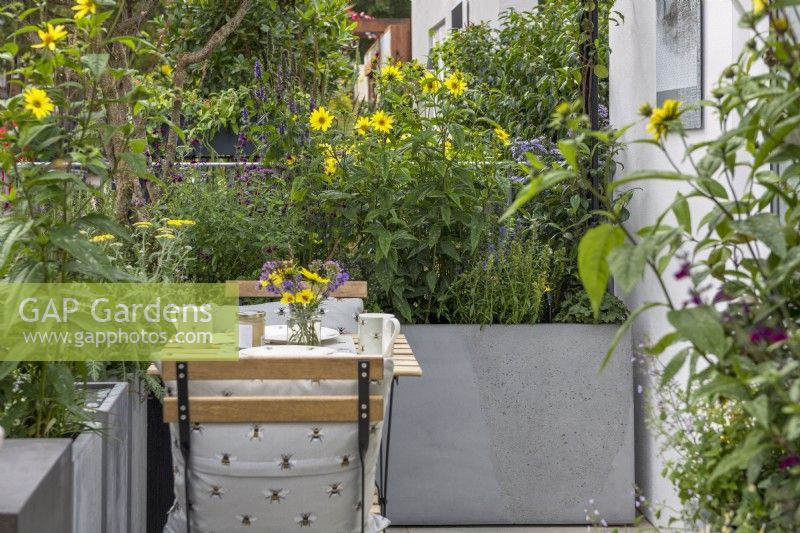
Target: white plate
column 286, row 349
column 277, row 334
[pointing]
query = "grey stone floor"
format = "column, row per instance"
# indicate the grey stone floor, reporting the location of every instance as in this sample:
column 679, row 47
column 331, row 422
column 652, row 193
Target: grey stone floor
column 518, row 529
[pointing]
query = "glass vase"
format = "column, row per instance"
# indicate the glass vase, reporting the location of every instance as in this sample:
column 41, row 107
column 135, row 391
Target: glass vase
column 305, row 330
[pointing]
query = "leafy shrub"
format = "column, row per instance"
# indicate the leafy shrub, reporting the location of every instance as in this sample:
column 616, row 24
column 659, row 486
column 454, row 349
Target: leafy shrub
column 507, row 286
column 239, row 222
column 577, row 309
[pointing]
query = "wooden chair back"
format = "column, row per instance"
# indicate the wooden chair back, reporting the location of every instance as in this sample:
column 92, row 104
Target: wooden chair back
column 250, row 289
column 343, row 408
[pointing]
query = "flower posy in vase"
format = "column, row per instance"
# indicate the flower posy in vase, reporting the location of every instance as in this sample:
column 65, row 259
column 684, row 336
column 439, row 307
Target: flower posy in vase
column 303, row 290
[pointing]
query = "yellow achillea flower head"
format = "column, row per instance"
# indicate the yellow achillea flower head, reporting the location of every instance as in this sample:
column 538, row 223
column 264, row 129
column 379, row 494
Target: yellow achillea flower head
column 304, row 297
column 362, row 125
column 37, row 102
column 51, row 36
column 143, row 224
column 166, row 69
column 392, row 73
column 381, row 122
column 320, row 119
column 84, row 8
column 165, row 235
column 657, row 127
column 759, row 6
column 331, row 164
column 502, row 135
column 430, row 83
column 105, row 237
column 456, row 84
column 180, row 222
column 287, row 298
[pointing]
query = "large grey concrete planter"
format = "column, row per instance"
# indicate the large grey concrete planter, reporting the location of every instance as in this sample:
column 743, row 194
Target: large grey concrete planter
column 513, row 425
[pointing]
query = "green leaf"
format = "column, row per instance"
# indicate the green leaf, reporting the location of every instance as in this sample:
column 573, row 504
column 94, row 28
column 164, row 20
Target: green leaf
column 593, row 267
column 137, row 163
column 624, row 327
column 384, row 243
column 661, row 344
column 89, row 259
column 741, row 456
column 627, row 264
column 536, row 185
column 104, row 224
column 682, row 214
column 766, row 228
column 759, row 409
column 96, row 63
column 570, row 152
column 641, row 175
column 601, row 71
column 674, row 365
column 724, row 386
column 702, row 326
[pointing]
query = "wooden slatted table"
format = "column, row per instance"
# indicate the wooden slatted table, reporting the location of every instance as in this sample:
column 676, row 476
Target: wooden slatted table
column 405, row 363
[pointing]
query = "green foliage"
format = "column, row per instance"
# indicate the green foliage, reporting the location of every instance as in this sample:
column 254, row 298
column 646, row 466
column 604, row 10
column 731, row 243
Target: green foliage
column 507, row 286
column 305, row 44
column 577, row 309
column 410, row 206
column 41, row 399
column 240, row 221
column 736, row 424
column 529, row 65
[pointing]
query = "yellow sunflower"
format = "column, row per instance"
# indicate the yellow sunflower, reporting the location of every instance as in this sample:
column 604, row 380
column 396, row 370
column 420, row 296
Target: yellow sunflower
column 391, row 73
column 456, row 84
column 287, row 298
column 362, row 125
column 381, row 122
column 83, row 8
column 657, row 127
column 502, row 135
column 51, row 36
column 320, row 119
column 37, row 102
column 304, row 297
column 166, row 69
column 430, row 83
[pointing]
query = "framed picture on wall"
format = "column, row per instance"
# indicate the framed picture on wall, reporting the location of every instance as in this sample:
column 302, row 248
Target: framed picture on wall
column 679, row 55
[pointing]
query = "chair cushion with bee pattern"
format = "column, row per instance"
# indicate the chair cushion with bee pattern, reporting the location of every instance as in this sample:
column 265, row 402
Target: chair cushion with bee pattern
column 337, row 313
column 278, row 477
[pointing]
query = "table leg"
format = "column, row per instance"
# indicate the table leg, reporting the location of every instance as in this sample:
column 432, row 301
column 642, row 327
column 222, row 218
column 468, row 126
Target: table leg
column 384, row 457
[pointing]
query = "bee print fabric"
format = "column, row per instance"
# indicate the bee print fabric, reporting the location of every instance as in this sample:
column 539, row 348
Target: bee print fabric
column 277, row 478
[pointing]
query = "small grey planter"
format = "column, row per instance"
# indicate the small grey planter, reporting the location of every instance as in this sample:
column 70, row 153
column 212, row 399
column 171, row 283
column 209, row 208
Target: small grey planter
column 98, row 483
column 513, row 425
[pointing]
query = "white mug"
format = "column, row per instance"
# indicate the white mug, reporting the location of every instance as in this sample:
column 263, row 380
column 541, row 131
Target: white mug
column 376, row 333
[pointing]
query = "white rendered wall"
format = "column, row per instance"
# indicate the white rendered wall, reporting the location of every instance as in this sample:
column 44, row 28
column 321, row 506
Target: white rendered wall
column 632, row 82
column 426, row 14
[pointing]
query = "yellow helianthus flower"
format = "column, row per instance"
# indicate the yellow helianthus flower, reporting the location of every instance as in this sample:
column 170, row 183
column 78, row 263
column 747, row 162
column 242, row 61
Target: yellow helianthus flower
column 37, row 102
column 320, row 119
column 502, row 135
column 430, row 83
column 142, row 224
column 84, row 8
column 287, row 298
column 51, row 36
column 381, row 122
column 326, row 149
column 391, row 73
column 657, row 127
column 102, row 238
column 180, row 222
column 305, row 297
column 313, row 276
column 276, row 279
column 456, row 84
column 166, row 69
column 264, row 283
column 759, row 6
column 331, row 164
column 362, row 125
